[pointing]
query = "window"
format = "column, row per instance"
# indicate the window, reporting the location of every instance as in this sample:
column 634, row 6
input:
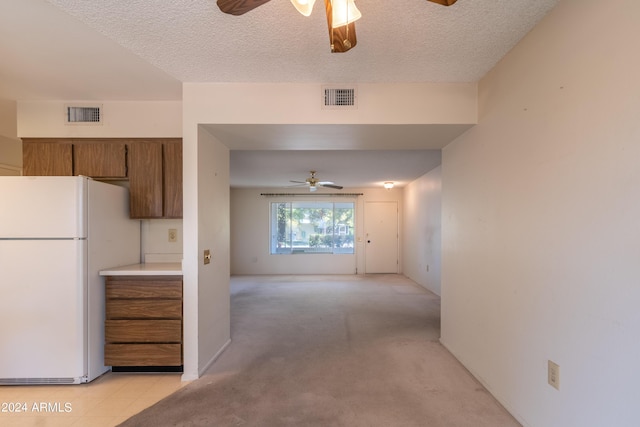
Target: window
column 312, row 227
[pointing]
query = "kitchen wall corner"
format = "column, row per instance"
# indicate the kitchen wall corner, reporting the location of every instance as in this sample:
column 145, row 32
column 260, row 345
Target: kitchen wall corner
column 154, row 239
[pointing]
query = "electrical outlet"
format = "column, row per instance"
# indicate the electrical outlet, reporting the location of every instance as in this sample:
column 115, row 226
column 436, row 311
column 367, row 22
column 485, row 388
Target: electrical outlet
column 553, row 375
column 173, row 235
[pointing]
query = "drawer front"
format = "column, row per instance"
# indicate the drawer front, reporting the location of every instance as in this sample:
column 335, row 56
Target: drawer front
column 144, row 309
column 153, row 287
column 143, row 331
column 143, row 354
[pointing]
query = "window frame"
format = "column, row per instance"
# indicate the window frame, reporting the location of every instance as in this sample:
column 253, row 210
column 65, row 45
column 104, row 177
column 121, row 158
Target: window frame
column 342, row 240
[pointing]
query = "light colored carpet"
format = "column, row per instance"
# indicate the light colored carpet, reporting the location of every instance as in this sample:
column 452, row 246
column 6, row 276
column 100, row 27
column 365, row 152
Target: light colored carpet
column 332, row 351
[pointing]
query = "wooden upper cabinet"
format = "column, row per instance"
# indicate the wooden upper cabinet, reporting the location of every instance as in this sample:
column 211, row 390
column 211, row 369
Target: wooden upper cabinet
column 47, row 158
column 99, row 159
column 145, row 179
column 153, row 167
column 172, row 156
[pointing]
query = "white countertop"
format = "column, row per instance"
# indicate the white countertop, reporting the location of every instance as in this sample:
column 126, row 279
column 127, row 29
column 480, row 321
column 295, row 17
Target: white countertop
column 147, row 269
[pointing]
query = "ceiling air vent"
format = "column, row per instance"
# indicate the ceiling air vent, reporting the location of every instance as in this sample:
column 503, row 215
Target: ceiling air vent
column 339, row 97
column 83, row 114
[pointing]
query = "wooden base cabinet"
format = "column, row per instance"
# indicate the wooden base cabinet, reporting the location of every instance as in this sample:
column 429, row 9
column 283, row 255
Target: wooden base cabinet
column 151, row 354
column 143, row 325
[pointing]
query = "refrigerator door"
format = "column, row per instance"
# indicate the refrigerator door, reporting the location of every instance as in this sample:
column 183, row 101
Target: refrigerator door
column 43, row 207
column 42, row 311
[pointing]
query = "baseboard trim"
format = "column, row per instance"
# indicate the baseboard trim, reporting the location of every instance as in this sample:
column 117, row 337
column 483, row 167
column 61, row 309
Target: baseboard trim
column 504, row 402
column 191, row 377
column 215, row 357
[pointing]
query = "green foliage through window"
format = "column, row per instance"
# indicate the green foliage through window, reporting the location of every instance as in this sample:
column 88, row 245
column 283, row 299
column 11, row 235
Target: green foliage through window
column 312, row 227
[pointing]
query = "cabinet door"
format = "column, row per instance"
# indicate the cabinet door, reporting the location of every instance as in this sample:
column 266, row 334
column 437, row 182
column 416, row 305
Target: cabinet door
column 47, row 158
column 100, row 159
column 145, row 179
column 173, row 179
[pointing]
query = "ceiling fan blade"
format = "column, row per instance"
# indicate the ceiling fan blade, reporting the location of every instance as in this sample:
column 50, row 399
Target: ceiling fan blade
column 299, row 182
column 443, row 2
column 239, row 7
column 337, row 187
column 342, row 38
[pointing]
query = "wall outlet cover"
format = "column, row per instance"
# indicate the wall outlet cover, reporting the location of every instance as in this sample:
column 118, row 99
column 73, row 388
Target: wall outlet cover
column 553, row 374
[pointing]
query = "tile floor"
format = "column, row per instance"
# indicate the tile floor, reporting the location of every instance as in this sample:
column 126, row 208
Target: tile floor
column 104, row 402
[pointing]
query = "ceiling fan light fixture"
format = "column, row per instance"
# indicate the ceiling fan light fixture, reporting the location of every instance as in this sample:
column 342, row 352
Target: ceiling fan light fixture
column 344, row 12
column 304, row 6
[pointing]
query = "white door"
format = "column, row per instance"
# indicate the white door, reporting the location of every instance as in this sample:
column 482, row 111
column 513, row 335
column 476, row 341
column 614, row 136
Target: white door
column 381, row 237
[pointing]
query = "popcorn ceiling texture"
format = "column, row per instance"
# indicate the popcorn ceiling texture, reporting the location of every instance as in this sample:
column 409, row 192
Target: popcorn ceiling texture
column 398, row 41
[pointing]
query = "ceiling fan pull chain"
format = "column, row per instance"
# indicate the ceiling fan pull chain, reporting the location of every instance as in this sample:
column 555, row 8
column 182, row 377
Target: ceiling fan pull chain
column 332, row 27
column 346, row 41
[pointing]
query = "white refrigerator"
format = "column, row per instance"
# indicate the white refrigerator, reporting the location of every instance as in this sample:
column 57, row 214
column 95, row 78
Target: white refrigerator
column 56, row 234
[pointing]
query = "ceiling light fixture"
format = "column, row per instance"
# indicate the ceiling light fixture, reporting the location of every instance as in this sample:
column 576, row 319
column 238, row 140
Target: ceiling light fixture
column 341, row 16
column 388, row 185
column 304, row 6
column 344, row 12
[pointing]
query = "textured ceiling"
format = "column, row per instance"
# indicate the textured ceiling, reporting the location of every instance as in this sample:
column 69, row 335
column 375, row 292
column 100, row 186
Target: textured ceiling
column 398, row 41
column 349, row 155
column 277, row 168
column 145, row 49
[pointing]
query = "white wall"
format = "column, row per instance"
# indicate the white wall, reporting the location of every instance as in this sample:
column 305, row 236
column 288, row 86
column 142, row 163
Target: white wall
column 206, row 303
column 422, row 230
column 541, row 238
column 8, row 118
column 250, row 235
column 214, row 320
column 288, row 103
column 155, row 245
column 10, row 156
column 121, row 119
column 10, row 145
column 229, row 103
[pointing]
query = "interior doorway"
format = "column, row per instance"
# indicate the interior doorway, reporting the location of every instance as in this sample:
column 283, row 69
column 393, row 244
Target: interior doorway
column 381, row 237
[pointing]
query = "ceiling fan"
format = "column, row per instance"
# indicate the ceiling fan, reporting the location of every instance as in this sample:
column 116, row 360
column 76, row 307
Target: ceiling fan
column 314, row 183
column 341, row 17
